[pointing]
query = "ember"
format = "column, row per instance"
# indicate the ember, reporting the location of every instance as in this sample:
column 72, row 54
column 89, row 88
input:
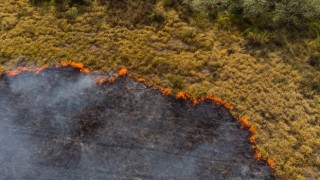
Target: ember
column 101, row 81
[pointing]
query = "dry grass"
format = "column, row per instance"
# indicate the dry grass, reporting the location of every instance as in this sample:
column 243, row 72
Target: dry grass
column 180, row 56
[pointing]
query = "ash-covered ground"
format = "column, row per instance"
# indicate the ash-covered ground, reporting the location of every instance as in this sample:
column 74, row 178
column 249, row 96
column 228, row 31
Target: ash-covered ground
column 60, row 125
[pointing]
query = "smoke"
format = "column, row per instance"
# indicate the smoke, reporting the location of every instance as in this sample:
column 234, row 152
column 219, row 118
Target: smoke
column 61, row 125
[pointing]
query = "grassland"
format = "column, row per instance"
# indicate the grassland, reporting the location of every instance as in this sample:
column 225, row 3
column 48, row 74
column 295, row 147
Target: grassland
column 273, row 86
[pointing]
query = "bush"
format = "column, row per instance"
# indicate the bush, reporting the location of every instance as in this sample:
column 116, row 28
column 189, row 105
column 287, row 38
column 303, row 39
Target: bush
column 176, row 81
column 169, row 3
column 314, row 61
column 187, row 35
column 224, row 22
column 258, row 37
column 37, row 2
column 296, row 12
column 72, row 13
column 65, row 2
column 264, row 12
column 157, row 16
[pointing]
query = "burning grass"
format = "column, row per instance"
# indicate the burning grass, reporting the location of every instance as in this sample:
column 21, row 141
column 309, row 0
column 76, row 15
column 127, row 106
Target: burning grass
column 109, row 98
column 37, row 70
column 244, row 123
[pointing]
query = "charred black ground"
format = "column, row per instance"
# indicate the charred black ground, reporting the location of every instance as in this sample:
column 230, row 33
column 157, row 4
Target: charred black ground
column 60, row 125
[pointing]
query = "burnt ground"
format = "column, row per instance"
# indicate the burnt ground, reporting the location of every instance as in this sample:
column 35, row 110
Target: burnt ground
column 60, row 125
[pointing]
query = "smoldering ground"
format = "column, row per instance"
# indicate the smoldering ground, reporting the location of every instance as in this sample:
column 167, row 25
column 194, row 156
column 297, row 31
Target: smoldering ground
column 60, row 125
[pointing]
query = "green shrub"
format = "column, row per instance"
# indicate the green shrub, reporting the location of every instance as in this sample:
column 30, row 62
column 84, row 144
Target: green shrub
column 316, row 43
column 72, row 13
column 169, row 3
column 314, row 61
column 224, row 22
column 315, row 28
column 176, row 81
column 187, row 35
column 37, row 2
column 65, row 2
column 157, row 16
column 265, row 12
column 257, row 36
column 296, row 12
column 86, row 2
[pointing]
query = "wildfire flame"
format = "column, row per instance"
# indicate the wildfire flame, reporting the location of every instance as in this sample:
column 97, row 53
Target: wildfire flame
column 252, row 139
column 142, row 80
column 195, row 102
column 39, row 69
column 18, row 71
column 166, row 92
column 74, row 65
column 100, row 81
column 85, row 70
column 252, row 129
column 219, row 101
column 271, row 163
column 244, row 122
column 258, row 155
column 65, row 63
column 182, row 96
column 122, row 72
column 77, row 65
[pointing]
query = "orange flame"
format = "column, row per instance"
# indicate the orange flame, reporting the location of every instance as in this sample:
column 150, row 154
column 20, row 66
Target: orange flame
column 122, row 72
column 252, row 129
column 166, row 92
column 141, row 80
column 65, row 63
column 258, row 155
column 195, row 102
column 77, row 65
column 219, row 101
column 39, row 69
column 271, row 163
column 252, row 139
column 227, row 105
column 85, row 70
column 182, row 96
column 72, row 64
column 244, row 122
column 101, row 81
column 17, row 71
